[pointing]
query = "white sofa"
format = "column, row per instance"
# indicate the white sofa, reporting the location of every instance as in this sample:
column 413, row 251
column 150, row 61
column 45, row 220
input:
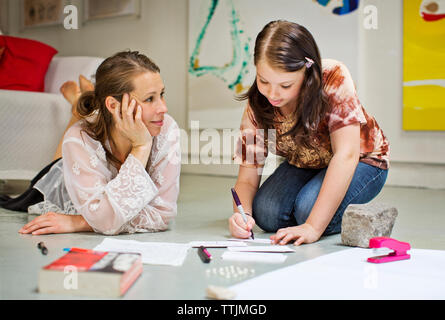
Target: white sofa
column 32, row 123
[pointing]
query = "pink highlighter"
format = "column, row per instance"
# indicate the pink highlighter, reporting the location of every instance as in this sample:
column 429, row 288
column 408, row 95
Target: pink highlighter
column 399, row 248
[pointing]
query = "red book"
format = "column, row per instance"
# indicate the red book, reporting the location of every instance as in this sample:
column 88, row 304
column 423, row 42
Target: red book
column 91, row 273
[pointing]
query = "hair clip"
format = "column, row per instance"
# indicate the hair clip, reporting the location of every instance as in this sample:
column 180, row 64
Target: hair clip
column 309, row 62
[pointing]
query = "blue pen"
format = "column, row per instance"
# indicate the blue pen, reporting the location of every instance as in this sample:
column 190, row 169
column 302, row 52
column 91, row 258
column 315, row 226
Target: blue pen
column 77, row 250
column 240, row 208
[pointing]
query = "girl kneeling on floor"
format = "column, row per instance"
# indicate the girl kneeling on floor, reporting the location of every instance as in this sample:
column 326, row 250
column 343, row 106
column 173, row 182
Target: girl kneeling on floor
column 336, row 154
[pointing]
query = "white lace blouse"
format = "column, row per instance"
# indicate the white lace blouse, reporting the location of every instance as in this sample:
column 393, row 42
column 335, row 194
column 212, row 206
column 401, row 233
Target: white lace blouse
column 133, row 199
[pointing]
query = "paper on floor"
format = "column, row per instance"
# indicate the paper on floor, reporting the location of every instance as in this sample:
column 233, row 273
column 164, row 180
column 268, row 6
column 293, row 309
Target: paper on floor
column 216, row 244
column 250, row 240
column 162, row 253
column 269, row 249
column 347, row 275
column 254, row 257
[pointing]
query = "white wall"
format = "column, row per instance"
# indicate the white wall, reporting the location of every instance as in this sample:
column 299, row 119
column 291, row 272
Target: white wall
column 161, row 33
column 417, row 157
column 381, row 78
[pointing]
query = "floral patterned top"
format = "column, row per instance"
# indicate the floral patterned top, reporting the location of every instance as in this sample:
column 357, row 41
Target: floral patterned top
column 344, row 109
column 131, row 199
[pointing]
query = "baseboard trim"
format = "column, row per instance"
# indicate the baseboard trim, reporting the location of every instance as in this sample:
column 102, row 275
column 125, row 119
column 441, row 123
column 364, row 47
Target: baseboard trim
column 401, row 174
column 419, row 175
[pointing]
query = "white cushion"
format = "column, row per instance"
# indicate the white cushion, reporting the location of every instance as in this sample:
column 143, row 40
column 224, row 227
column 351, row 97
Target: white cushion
column 62, row 69
column 32, row 126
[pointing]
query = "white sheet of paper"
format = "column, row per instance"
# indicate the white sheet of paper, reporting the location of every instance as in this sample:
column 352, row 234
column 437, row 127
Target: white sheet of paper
column 162, row 253
column 347, row 275
column 254, row 257
column 250, row 240
column 262, row 249
column 216, row 244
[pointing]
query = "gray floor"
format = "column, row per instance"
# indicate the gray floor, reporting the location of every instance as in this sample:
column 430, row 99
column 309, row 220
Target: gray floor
column 203, row 208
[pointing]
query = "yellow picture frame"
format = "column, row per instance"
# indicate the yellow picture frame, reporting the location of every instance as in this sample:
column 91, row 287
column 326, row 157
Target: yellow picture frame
column 423, row 66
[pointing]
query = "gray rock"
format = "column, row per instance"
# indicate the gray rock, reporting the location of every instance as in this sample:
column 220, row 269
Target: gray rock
column 362, row 222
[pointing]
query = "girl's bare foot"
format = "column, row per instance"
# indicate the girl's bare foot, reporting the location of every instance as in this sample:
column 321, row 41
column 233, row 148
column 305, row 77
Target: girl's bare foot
column 70, row 91
column 85, row 84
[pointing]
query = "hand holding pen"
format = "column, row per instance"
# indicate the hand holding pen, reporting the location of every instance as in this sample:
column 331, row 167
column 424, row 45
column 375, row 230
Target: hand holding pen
column 240, row 224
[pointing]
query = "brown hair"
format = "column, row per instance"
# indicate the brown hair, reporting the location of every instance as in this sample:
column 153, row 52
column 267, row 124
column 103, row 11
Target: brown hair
column 114, row 77
column 285, row 46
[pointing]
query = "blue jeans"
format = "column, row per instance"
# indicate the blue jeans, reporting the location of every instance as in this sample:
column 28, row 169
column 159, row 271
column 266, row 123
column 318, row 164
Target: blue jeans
column 286, row 198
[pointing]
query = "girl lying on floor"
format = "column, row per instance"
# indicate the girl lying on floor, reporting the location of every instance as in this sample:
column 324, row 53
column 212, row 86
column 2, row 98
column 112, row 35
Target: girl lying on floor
column 120, row 164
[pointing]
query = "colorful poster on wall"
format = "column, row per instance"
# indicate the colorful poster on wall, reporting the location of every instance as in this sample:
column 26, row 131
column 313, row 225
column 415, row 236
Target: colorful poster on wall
column 424, row 65
column 340, row 7
column 221, row 43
